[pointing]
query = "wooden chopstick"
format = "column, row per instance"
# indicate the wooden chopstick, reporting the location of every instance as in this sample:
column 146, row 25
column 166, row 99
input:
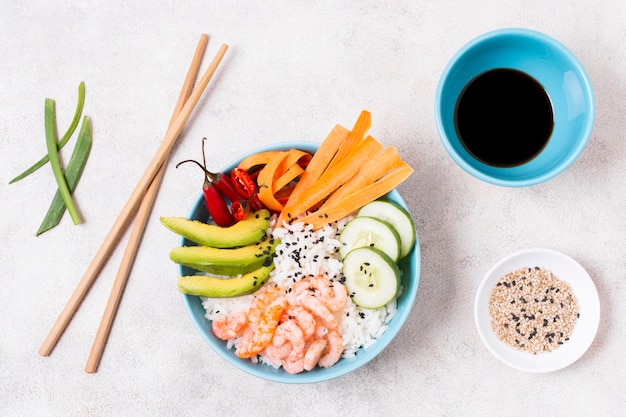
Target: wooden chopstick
column 129, row 208
column 139, row 224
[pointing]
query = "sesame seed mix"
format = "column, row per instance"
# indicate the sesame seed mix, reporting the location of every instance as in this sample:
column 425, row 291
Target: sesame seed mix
column 532, row 310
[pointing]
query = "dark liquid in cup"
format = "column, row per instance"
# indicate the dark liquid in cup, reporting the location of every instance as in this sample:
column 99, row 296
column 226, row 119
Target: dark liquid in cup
column 504, row 117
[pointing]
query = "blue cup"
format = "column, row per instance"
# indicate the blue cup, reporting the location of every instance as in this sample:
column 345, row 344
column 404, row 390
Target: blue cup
column 554, row 67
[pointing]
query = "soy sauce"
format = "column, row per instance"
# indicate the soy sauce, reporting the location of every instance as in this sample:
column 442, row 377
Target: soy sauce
column 504, row 117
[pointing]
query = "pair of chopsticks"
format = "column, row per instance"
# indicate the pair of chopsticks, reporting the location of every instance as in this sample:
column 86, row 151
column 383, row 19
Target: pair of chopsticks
column 140, row 202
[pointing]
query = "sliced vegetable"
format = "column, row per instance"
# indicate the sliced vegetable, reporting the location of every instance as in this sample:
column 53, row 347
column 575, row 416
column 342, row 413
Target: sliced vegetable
column 277, row 173
column 396, row 216
column 220, row 287
column 348, row 171
column 368, row 231
column 372, row 171
column 257, row 159
column 55, row 164
column 372, row 278
column 285, row 179
column 73, row 173
column 225, row 261
column 66, row 137
column 334, row 177
column 319, row 162
column 355, row 137
column 339, row 209
column 246, row 232
column 239, row 210
column 247, row 188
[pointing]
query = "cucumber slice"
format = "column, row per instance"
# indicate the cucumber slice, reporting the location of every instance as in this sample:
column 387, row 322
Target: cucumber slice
column 371, row 232
column 395, row 215
column 372, row 278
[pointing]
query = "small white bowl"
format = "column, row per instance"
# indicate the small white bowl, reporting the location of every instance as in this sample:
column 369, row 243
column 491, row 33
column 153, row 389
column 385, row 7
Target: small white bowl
column 566, row 269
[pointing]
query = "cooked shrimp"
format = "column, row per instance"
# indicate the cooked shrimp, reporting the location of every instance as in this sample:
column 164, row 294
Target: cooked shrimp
column 277, row 354
column 333, row 350
column 230, row 326
column 314, row 353
column 312, row 285
column 260, row 304
column 264, row 332
column 317, row 307
column 294, row 366
column 289, row 331
column 335, row 295
column 332, row 295
column 320, row 331
column 302, row 317
column 306, row 286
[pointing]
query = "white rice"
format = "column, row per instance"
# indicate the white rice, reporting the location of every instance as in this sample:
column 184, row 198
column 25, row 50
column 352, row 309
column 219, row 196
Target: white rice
column 302, row 252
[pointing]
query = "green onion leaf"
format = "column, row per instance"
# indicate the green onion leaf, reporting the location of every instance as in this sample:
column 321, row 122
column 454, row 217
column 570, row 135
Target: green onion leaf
column 64, row 139
column 55, row 164
column 72, row 174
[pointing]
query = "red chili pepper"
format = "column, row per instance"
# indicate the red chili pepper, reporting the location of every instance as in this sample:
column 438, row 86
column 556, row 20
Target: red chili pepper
column 239, row 209
column 255, row 203
column 247, row 188
column 213, row 183
column 243, row 183
column 224, row 184
column 217, row 207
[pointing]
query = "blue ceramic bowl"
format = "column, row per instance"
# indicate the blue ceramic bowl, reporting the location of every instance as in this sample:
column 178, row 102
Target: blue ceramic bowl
column 554, row 67
column 410, row 280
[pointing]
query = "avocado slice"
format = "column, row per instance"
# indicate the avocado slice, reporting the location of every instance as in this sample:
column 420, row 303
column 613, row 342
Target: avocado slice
column 226, row 261
column 247, row 231
column 216, row 287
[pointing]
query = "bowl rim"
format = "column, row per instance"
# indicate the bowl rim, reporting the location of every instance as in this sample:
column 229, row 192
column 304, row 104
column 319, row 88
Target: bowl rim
column 584, row 134
column 413, row 260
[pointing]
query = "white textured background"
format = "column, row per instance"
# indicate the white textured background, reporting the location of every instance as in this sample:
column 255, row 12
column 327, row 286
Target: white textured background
column 294, row 70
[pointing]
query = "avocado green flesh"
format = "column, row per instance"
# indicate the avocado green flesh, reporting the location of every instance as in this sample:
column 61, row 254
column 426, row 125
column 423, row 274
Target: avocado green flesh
column 226, row 261
column 245, row 232
column 207, row 286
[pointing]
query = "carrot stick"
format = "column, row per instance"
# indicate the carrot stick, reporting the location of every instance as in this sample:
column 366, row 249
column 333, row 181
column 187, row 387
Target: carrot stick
column 316, row 167
column 373, row 170
column 256, row 159
column 265, row 179
column 361, row 126
column 331, row 212
column 273, row 170
column 291, row 174
column 334, row 177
